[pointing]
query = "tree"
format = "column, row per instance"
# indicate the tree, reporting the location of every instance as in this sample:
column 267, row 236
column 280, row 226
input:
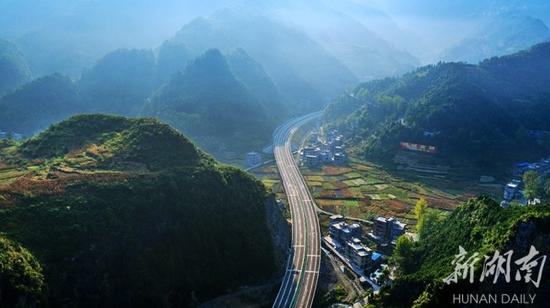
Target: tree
column 546, row 188
column 420, row 211
column 404, row 255
column 531, row 182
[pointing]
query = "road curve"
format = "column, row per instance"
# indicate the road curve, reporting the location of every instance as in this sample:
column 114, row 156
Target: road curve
column 302, row 272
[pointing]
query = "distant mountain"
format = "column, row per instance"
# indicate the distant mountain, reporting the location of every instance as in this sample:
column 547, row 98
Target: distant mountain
column 472, row 113
column 499, row 35
column 363, row 52
column 208, row 103
column 172, row 58
column 258, row 83
column 120, row 82
column 122, row 211
column 14, row 69
column 37, row 104
column 301, row 69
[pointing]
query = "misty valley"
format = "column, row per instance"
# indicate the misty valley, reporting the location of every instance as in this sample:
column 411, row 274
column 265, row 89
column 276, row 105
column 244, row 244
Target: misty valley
column 274, row 153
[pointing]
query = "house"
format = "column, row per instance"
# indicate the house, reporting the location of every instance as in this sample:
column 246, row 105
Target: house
column 340, row 159
column 397, row 228
column 312, row 160
column 511, row 191
column 252, row 159
column 522, row 167
column 342, row 232
column 310, row 151
column 339, row 149
column 325, row 156
column 334, row 219
column 375, row 259
column 387, row 230
column 379, row 229
column 338, row 141
column 357, row 254
column 18, row 136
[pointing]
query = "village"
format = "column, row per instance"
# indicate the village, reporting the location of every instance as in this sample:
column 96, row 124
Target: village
column 514, row 191
column 10, row 135
column 363, row 253
column 324, row 149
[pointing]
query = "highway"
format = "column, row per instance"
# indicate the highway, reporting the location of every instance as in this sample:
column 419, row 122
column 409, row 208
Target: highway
column 300, row 280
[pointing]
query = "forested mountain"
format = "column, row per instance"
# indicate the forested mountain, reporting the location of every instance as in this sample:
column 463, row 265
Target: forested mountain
column 37, row 104
column 209, row 104
column 479, row 226
column 119, row 82
column 172, row 58
column 259, row 84
column 301, row 69
column 476, row 113
column 227, row 105
column 497, row 36
column 124, row 212
column 14, row 69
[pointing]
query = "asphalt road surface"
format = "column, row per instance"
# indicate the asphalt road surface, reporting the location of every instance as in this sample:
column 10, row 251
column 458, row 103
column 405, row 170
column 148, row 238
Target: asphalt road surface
column 302, row 272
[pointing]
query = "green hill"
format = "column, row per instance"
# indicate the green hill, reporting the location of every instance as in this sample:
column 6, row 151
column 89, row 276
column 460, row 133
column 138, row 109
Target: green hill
column 479, row 225
column 14, row 69
column 209, row 104
column 39, row 103
column 475, row 113
column 126, row 212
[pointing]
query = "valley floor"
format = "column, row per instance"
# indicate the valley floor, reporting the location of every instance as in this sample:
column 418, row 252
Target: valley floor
column 365, row 190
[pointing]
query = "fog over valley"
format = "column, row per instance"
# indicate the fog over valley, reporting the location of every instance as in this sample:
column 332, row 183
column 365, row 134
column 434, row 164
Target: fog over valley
column 275, row 153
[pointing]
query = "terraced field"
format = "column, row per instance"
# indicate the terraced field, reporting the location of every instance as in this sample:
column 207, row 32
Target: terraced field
column 10, row 174
column 364, row 190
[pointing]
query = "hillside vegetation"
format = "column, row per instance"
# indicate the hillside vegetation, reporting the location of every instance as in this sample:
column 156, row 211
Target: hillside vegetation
column 472, row 113
column 119, row 83
column 21, row 277
column 479, row 225
column 14, row 69
column 123, row 211
column 209, row 104
column 228, row 104
column 37, row 104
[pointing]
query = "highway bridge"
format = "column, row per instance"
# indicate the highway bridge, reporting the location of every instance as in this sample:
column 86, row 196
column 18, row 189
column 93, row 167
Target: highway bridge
column 300, row 280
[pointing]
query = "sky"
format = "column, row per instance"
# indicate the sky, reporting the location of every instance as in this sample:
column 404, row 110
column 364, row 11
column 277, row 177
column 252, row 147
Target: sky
column 422, row 27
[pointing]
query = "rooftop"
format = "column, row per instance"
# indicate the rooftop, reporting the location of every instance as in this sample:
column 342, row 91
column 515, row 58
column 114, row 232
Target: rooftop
column 375, row 256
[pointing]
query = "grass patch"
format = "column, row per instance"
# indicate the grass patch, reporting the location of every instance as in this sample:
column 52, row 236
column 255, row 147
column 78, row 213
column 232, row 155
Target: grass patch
column 352, row 175
column 374, row 181
column 351, row 203
column 314, row 178
column 355, row 182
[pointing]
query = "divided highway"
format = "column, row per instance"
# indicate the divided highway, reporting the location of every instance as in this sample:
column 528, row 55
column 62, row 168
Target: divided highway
column 302, row 272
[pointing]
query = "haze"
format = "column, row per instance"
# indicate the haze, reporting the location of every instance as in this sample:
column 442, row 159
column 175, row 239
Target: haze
column 76, row 33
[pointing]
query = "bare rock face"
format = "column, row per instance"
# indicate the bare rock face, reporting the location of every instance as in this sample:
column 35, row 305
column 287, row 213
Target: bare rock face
column 280, row 230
